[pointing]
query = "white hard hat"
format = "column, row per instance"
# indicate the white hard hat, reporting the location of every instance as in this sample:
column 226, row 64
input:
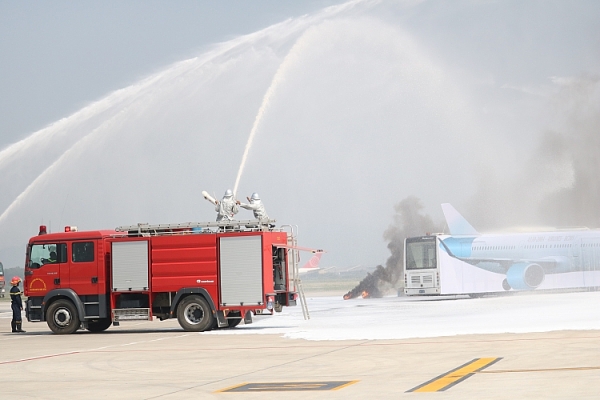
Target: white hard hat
column 254, row 196
column 228, row 193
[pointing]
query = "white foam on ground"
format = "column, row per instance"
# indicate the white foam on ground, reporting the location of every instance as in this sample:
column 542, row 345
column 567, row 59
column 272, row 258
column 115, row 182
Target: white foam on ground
column 332, row 318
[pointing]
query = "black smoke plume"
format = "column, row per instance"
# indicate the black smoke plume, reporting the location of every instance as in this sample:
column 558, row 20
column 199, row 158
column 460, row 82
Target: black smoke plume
column 408, row 222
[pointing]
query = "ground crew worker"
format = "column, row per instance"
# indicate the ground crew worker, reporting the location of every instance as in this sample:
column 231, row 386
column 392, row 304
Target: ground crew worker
column 255, row 205
column 16, row 304
column 227, row 207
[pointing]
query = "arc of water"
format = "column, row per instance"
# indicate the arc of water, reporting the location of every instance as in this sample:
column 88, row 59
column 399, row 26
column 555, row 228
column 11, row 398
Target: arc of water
column 222, row 49
column 289, row 60
column 103, row 105
column 124, row 93
column 54, row 165
column 278, row 78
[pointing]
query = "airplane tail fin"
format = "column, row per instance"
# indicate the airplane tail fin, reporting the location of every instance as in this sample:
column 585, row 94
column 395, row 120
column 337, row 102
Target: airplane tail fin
column 457, row 224
column 313, row 263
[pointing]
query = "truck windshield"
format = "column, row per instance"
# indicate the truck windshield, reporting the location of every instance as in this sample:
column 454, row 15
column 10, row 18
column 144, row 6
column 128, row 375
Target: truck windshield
column 40, row 254
column 420, row 253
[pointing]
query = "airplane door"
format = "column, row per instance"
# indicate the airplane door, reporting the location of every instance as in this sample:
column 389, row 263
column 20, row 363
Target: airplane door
column 590, row 262
column 575, row 254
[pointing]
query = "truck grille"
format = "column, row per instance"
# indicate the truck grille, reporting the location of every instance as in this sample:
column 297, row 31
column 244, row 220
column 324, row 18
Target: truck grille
column 421, row 281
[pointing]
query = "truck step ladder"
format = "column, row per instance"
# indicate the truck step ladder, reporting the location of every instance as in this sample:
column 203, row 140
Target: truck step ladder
column 132, row 314
column 294, row 256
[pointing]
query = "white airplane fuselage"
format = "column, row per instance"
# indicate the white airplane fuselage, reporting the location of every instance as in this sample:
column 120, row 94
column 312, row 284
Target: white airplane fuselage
column 481, row 263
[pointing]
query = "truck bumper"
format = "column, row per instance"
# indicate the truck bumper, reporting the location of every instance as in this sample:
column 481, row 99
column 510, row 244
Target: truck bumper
column 421, row 291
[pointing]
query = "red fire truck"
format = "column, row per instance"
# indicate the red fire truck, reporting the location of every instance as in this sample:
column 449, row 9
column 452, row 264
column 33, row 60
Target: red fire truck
column 207, row 275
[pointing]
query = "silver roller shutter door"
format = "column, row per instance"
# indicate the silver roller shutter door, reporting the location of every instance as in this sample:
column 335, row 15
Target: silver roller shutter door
column 130, row 266
column 241, row 270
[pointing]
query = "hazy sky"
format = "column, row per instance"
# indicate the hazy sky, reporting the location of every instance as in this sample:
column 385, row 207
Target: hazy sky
column 58, row 56
column 130, row 109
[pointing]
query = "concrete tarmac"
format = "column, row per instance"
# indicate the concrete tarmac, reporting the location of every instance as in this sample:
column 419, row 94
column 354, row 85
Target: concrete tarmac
column 157, row 360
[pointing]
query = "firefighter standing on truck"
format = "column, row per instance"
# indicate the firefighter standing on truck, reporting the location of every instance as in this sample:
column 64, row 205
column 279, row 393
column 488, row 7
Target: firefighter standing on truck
column 227, row 207
column 256, row 206
column 16, row 304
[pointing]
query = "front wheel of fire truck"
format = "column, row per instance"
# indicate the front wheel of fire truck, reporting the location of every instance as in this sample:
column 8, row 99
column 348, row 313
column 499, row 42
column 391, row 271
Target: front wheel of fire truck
column 62, row 317
column 194, row 314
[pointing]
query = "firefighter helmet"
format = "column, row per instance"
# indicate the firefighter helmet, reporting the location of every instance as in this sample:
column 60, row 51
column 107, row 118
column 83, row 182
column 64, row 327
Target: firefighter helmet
column 15, row 280
column 255, row 196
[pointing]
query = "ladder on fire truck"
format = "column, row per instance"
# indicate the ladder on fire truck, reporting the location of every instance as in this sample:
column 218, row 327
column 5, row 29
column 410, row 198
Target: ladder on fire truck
column 295, row 276
column 144, row 229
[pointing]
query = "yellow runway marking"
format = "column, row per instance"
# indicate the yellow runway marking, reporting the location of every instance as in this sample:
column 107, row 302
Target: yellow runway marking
column 505, row 371
column 455, row 376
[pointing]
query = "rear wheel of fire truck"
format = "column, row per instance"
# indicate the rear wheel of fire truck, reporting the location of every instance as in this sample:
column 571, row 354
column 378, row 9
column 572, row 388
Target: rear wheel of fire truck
column 194, row 314
column 99, row 326
column 62, row 317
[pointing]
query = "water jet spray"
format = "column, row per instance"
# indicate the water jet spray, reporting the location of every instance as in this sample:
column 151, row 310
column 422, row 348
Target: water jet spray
column 292, row 56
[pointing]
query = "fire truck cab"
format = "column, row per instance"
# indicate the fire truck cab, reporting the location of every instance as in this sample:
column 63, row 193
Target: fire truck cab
column 207, row 275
